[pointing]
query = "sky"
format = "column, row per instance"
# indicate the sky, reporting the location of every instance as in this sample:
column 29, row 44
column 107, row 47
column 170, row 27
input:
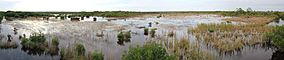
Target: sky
column 139, row 5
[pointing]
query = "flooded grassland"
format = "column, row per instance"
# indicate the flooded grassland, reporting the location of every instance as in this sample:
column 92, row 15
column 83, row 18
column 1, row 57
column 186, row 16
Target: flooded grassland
column 189, row 37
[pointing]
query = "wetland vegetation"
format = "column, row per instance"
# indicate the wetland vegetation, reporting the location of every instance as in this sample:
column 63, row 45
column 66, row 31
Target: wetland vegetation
column 181, row 35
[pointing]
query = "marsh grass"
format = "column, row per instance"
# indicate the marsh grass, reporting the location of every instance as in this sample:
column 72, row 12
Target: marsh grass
column 153, row 32
column 7, row 45
column 149, row 51
column 252, row 20
column 228, row 37
column 80, row 49
column 186, row 50
column 78, row 53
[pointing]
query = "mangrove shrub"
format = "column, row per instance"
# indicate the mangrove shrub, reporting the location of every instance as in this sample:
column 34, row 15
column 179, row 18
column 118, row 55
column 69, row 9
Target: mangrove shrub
column 277, row 36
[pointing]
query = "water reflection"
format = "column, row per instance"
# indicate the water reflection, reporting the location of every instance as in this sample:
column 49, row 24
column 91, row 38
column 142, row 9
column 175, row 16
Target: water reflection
column 251, row 52
column 278, row 22
column 10, row 47
column 34, row 51
column 40, row 51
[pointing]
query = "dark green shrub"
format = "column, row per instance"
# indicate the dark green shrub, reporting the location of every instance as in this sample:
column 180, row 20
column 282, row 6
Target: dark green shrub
column 152, row 32
column 127, row 36
column 120, row 36
column 37, row 38
column 277, row 36
column 80, row 49
column 19, row 14
column 35, row 44
column 146, row 31
column 34, row 40
column 150, row 51
column 123, row 37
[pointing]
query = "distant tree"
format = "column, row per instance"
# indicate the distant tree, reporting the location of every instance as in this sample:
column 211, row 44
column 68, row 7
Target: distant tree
column 240, row 10
column 249, row 10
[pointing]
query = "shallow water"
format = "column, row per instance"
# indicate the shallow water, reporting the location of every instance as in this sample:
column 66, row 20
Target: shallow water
column 86, row 31
column 276, row 23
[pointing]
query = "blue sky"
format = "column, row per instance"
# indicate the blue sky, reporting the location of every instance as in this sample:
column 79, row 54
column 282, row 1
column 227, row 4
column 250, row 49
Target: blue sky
column 139, row 5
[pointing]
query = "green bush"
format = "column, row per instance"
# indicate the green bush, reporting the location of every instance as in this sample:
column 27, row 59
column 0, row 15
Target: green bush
column 127, row 35
column 150, row 51
column 152, row 32
column 36, row 44
column 146, row 31
column 37, row 38
column 124, row 36
column 277, row 36
column 80, row 49
column 34, row 40
column 120, row 36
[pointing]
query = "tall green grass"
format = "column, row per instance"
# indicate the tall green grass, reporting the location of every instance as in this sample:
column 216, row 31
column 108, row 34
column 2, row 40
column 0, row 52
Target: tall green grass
column 78, row 53
column 149, row 51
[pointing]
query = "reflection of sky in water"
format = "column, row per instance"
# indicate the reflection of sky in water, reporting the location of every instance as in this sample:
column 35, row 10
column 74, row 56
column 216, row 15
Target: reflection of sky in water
column 191, row 21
